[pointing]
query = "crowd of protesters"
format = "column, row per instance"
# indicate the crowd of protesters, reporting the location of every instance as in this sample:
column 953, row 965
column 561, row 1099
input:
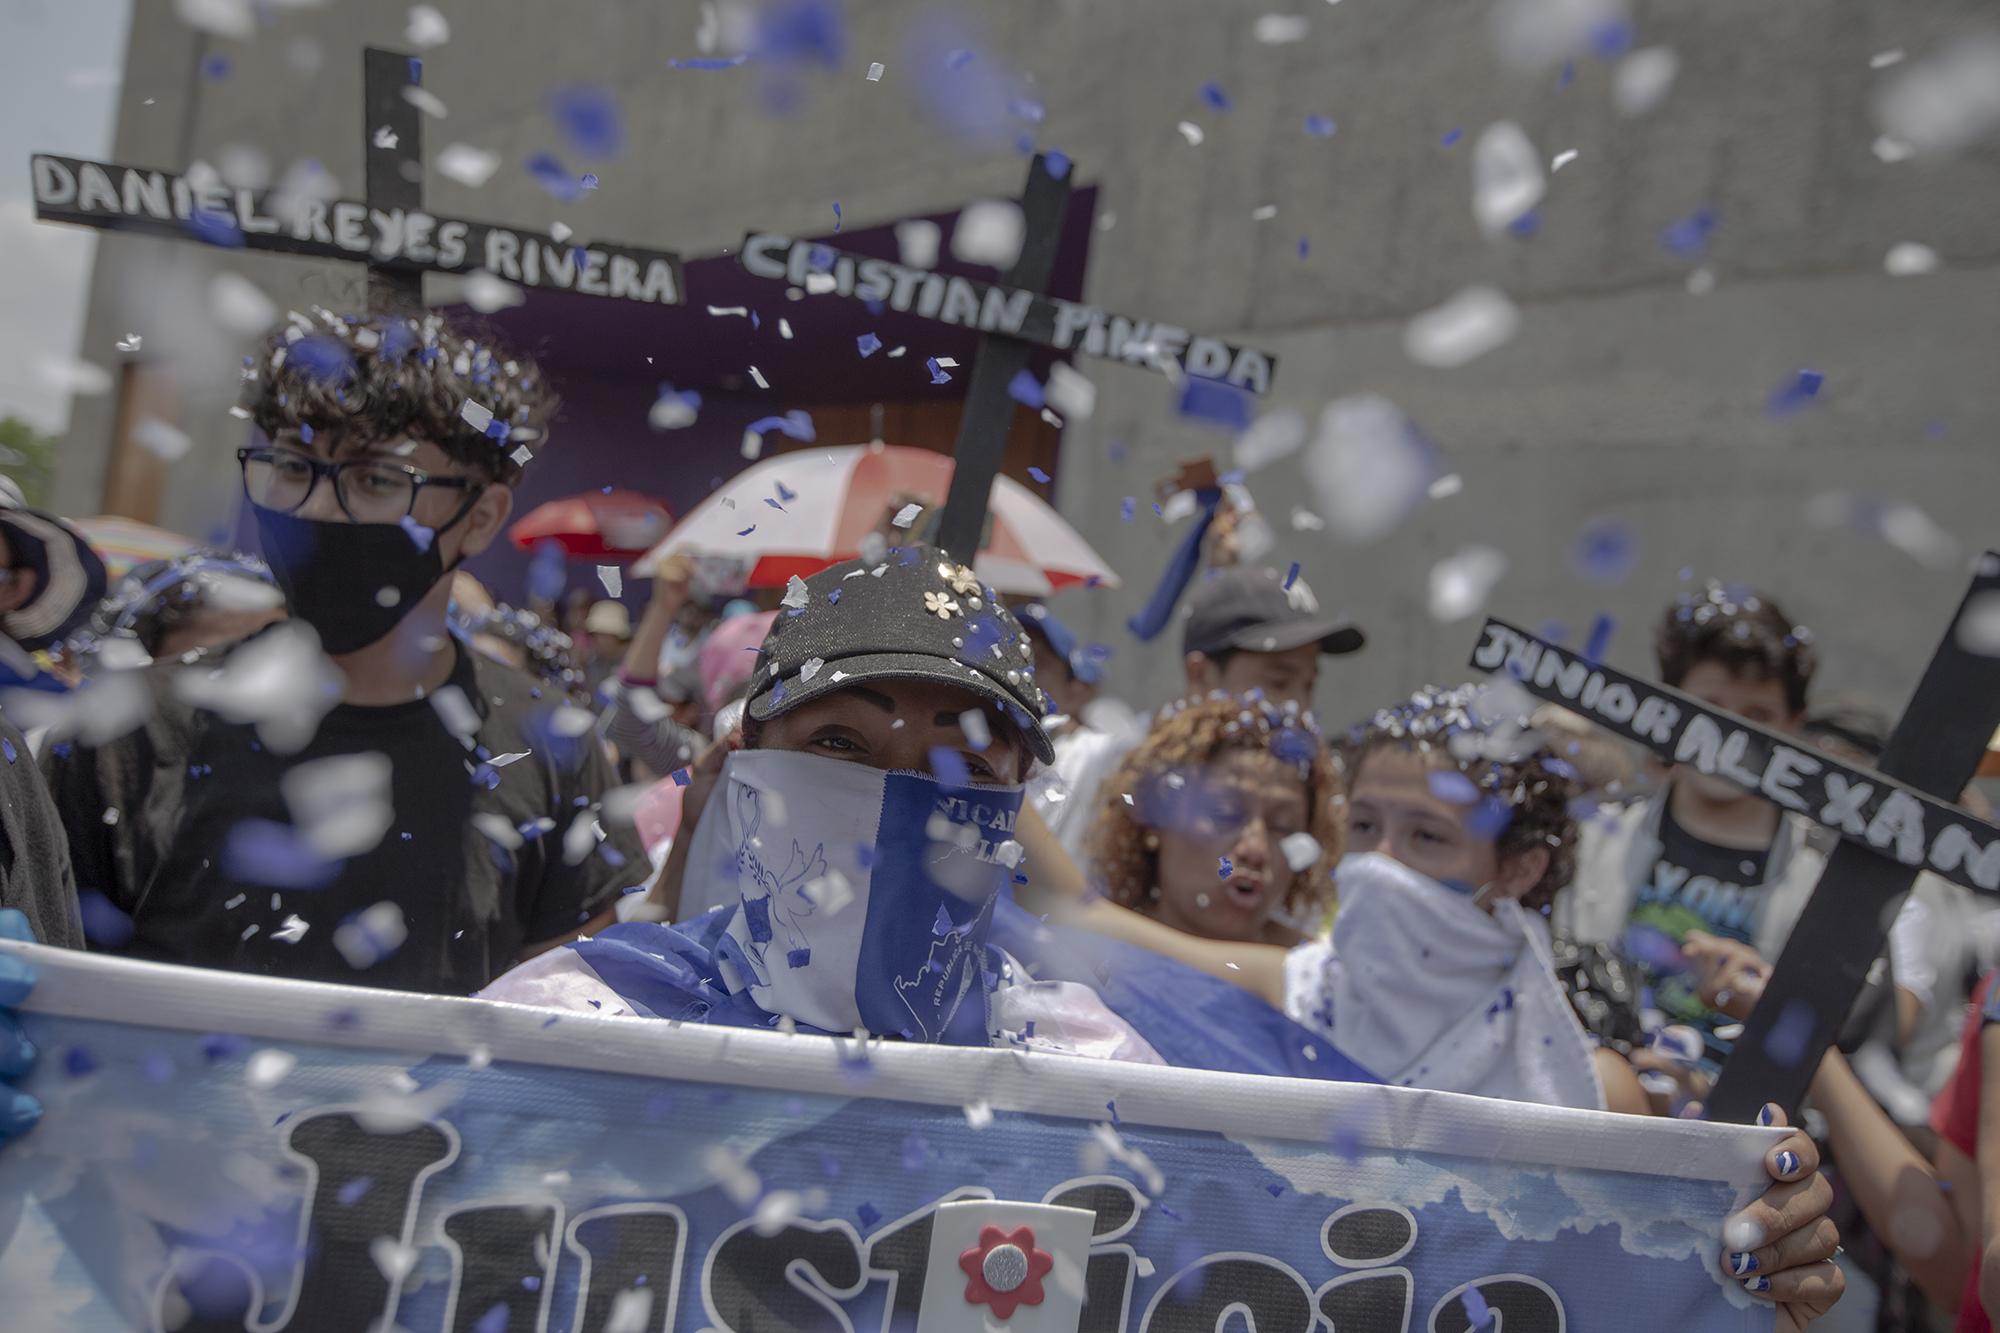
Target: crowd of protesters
column 343, row 760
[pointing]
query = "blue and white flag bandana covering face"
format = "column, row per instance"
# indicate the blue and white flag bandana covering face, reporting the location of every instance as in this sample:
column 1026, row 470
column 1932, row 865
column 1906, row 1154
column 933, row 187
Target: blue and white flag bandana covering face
column 863, row 897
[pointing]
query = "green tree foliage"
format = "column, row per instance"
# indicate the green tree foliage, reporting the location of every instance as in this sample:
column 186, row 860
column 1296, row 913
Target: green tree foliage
column 29, row 457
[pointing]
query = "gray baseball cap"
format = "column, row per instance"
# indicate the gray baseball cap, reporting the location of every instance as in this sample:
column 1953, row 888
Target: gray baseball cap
column 1252, row 609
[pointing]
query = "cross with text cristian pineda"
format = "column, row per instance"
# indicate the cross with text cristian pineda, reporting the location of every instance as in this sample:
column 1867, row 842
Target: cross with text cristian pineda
column 1012, row 316
column 1893, row 821
column 391, row 232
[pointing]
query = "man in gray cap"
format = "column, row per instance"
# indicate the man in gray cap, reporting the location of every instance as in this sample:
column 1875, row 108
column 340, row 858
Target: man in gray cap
column 1256, row 628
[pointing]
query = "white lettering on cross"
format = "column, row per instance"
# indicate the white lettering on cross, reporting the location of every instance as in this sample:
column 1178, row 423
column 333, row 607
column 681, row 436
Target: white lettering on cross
column 1899, row 821
column 1844, row 801
column 1781, row 776
column 1955, row 846
column 1699, row 743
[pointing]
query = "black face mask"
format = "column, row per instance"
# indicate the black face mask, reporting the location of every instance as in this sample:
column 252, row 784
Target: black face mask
column 353, row 582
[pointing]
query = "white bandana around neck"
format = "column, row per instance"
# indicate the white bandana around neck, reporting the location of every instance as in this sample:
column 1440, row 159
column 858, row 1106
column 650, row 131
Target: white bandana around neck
column 1422, row 988
column 861, row 897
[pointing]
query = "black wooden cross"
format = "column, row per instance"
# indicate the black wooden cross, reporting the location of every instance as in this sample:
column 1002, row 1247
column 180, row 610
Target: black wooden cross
column 389, row 231
column 989, row 408
column 1894, row 821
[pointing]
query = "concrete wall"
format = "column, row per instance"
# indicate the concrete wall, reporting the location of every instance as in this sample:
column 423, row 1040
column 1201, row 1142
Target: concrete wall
column 1624, row 394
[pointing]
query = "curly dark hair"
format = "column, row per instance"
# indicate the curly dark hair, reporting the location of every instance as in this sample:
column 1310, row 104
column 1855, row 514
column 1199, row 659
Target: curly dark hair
column 1525, row 790
column 377, row 377
column 1199, row 733
column 1742, row 630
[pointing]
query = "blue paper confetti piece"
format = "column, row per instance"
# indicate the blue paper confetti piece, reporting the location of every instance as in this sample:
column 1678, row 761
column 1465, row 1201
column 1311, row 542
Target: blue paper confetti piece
column 798, row 957
column 417, row 532
column 1690, row 236
column 1451, row 137
column 795, row 423
column 1026, row 390
column 916, row 1152
column 801, row 32
column 786, row 493
column 1058, row 163
column 938, row 373
column 216, row 228
column 1212, row 94
column 745, row 532
column 1451, row 786
column 1477, row 1314
column 1215, row 403
column 948, row 767
column 1291, row 576
column 219, row 1046
column 1223, row 867
column 105, row 924
column 1611, row 39
column 1128, row 507
column 351, row 1192
column 1274, row 1189
column 1305, row 247
column 553, row 177
column 1489, row 819
column 493, row 1321
column 1796, row 392
column 588, row 118
column 868, row 1214
column 158, row 1067
column 1787, row 1039
column 1112, row 1106
column 1321, row 127
column 706, row 62
column 78, row 1062
column 262, row 851
column 1039, row 475
column 836, row 218
column 1598, row 642
column 868, row 344
column 215, row 67
column 1606, row 551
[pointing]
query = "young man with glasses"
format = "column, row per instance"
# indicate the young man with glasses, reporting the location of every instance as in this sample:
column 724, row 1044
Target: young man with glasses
column 441, row 819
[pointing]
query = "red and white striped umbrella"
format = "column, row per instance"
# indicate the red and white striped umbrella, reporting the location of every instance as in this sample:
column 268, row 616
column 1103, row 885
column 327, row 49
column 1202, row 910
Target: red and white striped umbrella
column 797, row 513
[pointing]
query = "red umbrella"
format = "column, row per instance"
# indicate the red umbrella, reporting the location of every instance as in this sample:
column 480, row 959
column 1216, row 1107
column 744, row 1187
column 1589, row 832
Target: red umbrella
column 596, row 525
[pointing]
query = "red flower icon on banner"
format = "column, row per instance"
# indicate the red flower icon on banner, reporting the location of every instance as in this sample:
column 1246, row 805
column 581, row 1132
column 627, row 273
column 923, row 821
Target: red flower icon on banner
column 1005, row 1270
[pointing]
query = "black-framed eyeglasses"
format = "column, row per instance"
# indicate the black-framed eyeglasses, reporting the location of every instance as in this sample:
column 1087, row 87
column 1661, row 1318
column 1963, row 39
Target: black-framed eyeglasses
column 370, row 490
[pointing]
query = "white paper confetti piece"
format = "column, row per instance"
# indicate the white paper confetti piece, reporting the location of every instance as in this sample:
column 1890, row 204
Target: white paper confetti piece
column 978, row 1115
column 424, row 100
column 292, row 931
column 1947, row 100
column 238, row 305
column 1070, row 392
column 613, row 579
column 1300, row 851
column 785, row 329
column 1263, row 212
column 393, row 1258
column 522, row 456
column 1507, row 177
column 811, row 667
column 1561, row 160
column 1448, row 485
column 268, row 1068
column 1191, row 132
column 488, row 293
column 758, row 376
column 1280, row 29
column 1884, row 59
column 918, row 242
column 469, row 166
column 224, row 18
column 1909, row 259
column 906, row 516
column 631, row 1311
column 989, row 231
column 1463, row 329
column 427, row 27
column 475, row 414
column 371, row 936
column 1459, row 584
column 1276, row 434
column 742, row 310
column 1643, row 79
column 68, row 375
column 162, row 439
column 875, row 72
column 796, row 593
column 977, row 733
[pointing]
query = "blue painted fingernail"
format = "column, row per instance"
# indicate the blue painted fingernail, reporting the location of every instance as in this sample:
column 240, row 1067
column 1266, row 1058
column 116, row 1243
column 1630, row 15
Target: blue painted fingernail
column 1741, row 1264
column 1769, row 1114
column 18, row 1114
column 1788, row 1163
column 1757, row 1284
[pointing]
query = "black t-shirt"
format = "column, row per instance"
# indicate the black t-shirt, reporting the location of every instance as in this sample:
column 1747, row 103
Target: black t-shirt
column 1694, row 885
column 182, row 825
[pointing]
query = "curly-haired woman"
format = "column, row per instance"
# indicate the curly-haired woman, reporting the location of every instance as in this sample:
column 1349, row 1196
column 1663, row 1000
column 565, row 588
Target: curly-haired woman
column 1222, row 823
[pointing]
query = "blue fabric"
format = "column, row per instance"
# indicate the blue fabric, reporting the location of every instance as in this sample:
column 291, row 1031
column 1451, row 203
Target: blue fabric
column 1193, row 1020
column 1180, row 571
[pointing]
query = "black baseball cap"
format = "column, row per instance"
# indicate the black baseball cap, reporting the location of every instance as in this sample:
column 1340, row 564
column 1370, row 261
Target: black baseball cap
column 916, row 614
column 1250, row 609
column 69, row 577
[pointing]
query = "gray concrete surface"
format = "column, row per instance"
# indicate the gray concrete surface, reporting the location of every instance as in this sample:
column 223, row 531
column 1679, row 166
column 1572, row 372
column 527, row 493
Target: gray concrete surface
column 1623, row 394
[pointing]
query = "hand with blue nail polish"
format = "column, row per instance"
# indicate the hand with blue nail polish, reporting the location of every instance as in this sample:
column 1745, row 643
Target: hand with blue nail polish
column 18, row 1111
column 1782, row 1245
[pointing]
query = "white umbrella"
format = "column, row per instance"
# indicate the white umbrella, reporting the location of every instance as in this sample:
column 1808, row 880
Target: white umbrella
column 797, row 513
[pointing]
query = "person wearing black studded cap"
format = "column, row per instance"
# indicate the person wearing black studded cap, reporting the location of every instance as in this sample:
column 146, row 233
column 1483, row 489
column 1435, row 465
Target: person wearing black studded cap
column 1251, row 627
